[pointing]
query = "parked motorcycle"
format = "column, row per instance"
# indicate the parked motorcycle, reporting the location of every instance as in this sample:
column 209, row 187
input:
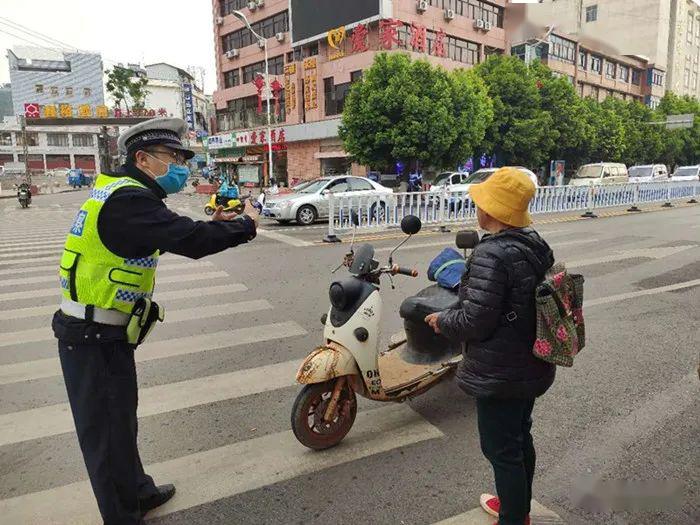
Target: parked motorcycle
column 234, row 205
column 24, row 195
column 349, row 361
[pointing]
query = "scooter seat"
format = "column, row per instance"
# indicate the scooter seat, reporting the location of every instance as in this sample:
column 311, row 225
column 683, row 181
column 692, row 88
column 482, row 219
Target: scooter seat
column 428, row 301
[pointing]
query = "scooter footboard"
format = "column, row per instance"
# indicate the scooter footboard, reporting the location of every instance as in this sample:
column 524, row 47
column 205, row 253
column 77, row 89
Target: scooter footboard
column 325, row 363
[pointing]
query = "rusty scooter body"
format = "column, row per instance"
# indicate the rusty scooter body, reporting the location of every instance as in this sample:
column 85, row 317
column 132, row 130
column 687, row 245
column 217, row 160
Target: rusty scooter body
column 350, row 362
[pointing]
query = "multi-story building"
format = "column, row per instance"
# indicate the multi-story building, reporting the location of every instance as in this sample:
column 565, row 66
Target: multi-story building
column 666, row 32
column 53, row 78
column 51, row 147
column 593, row 70
column 6, row 109
column 313, row 66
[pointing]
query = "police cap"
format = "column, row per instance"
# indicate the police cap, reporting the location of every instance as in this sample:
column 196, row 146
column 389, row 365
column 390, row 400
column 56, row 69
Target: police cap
column 167, row 131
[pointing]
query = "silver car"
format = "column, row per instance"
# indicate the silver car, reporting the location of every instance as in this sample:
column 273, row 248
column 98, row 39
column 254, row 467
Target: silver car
column 310, row 203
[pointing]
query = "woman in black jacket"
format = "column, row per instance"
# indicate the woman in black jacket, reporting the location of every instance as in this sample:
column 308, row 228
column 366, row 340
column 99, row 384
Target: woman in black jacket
column 496, row 321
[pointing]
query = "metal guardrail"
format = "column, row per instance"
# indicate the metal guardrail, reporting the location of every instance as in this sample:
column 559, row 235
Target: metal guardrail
column 444, row 207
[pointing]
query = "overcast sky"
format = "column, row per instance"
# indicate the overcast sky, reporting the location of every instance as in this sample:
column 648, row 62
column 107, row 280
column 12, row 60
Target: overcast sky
column 145, row 31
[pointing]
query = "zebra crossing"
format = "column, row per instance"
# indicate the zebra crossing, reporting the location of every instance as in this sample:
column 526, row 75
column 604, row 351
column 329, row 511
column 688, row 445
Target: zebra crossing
column 28, row 262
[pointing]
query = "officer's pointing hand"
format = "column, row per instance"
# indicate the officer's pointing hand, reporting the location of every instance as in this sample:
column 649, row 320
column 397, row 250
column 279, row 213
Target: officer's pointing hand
column 252, row 212
column 221, row 215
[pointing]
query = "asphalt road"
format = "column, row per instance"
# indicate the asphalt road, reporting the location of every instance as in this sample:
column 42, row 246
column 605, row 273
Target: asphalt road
column 217, row 386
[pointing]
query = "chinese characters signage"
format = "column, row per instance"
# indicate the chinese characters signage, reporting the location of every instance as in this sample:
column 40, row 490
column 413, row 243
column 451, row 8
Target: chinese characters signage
column 310, row 84
column 227, row 140
column 259, row 138
column 33, row 110
column 189, row 105
column 290, row 88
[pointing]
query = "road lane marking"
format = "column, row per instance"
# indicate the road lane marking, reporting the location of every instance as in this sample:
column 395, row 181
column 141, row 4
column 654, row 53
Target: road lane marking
column 45, row 333
column 56, row 419
column 11, row 258
column 4, row 250
column 55, row 291
column 176, row 346
column 24, row 260
column 540, row 515
column 233, row 469
column 642, row 253
column 286, row 239
column 640, row 293
column 53, row 268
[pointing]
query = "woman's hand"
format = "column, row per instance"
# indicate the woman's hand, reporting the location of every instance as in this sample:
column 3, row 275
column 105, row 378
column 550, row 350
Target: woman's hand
column 432, row 321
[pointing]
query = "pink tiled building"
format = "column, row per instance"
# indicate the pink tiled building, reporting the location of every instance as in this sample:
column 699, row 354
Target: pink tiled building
column 316, row 51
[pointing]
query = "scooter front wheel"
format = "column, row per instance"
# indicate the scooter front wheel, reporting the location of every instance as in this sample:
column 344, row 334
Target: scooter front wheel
column 209, row 210
column 308, row 415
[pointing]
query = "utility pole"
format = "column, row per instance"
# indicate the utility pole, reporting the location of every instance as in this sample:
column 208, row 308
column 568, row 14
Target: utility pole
column 25, row 148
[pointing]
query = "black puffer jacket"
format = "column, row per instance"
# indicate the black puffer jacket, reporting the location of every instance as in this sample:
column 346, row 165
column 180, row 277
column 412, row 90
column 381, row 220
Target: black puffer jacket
column 502, row 274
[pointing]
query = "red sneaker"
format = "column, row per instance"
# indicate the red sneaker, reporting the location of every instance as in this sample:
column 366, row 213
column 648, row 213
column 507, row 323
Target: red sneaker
column 492, row 505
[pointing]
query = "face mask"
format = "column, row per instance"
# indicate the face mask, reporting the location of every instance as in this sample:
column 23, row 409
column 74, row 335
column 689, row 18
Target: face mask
column 174, row 179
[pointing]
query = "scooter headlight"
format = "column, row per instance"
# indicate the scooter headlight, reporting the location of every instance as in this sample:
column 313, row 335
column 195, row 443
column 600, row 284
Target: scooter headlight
column 338, row 296
column 343, row 294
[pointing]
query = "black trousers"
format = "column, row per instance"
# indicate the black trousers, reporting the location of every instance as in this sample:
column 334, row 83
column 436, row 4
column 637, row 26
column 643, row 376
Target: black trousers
column 101, row 384
column 504, row 432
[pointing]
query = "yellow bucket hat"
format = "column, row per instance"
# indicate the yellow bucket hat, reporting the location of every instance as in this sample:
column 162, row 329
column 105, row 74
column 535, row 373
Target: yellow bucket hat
column 505, row 196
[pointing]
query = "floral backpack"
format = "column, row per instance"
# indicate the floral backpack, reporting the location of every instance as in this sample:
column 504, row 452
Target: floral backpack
column 561, row 332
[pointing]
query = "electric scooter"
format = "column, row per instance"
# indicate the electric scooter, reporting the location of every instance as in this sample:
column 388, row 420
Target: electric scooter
column 350, row 363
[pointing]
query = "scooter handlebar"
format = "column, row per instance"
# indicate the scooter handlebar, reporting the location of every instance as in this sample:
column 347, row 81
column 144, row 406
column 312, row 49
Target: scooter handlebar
column 399, row 270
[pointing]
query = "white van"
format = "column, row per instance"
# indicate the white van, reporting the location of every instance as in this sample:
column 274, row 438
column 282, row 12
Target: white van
column 600, row 173
column 648, row 173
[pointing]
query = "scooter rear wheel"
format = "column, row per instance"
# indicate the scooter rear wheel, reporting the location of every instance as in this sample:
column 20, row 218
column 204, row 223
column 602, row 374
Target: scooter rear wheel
column 209, row 210
column 307, row 416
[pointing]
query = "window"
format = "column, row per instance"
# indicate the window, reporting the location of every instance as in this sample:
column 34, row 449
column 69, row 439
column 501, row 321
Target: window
column 243, row 113
column 562, row 49
column 57, row 139
column 636, row 77
column 592, row 13
column 87, row 92
column 83, row 140
column 355, row 76
column 228, row 6
column 266, row 28
column 275, row 64
column 54, row 91
column 610, row 70
column 39, row 88
column 596, row 64
column 69, row 91
column 686, row 72
column 697, row 31
column 357, row 184
column 624, row 73
column 232, row 78
column 690, row 27
column 5, row 138
column 334, row 96
column 474, row 9
column 32, row 138
column 582, row 60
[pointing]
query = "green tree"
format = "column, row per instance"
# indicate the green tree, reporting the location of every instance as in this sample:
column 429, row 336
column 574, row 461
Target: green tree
column 414, row 112
column 522, row 133
column 565, row 107
column 125, row 86
column 608, row 137
column 643, row 141
column 681, row 146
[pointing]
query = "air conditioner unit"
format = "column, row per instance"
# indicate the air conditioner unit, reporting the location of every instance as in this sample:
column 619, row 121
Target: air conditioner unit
column 219, row 20
column 488, row 25
column 280, row 37
column 449, row 14
column 252, row 6
column 233, row 53
column 261, row 3
column 422, row 6
column 478, row 23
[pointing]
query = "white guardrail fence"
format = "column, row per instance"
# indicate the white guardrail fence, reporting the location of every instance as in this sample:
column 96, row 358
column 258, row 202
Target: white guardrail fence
column 445, row 207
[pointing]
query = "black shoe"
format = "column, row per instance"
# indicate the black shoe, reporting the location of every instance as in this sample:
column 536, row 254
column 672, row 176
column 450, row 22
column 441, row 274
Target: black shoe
column 163, row 494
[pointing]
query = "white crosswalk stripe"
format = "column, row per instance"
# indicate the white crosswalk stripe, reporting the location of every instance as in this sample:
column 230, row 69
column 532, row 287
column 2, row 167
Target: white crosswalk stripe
column 233, row 469
column 53, row 269
column 167, row 348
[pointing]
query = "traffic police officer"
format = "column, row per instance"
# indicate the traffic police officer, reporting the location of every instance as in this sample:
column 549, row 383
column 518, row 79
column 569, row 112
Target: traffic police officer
column 107, row 276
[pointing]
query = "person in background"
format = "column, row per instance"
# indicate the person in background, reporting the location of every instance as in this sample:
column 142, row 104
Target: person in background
column 496, row 322
column 107, row 275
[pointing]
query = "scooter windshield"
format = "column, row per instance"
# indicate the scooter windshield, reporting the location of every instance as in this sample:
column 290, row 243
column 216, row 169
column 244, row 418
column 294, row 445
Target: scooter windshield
column 364, row 262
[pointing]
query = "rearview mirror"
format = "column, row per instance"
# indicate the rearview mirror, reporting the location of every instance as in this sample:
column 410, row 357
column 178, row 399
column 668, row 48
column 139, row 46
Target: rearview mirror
column 467, row 239
column 411, row 225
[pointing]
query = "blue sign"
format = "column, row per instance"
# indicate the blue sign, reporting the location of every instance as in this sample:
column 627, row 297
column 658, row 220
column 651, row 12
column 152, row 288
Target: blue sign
column 189, row 106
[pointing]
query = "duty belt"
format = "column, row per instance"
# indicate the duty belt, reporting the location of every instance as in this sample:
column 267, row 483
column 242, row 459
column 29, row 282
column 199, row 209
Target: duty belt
column 92, row 313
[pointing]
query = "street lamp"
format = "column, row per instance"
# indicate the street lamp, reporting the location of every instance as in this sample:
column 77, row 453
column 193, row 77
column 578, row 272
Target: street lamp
column 262, row 41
